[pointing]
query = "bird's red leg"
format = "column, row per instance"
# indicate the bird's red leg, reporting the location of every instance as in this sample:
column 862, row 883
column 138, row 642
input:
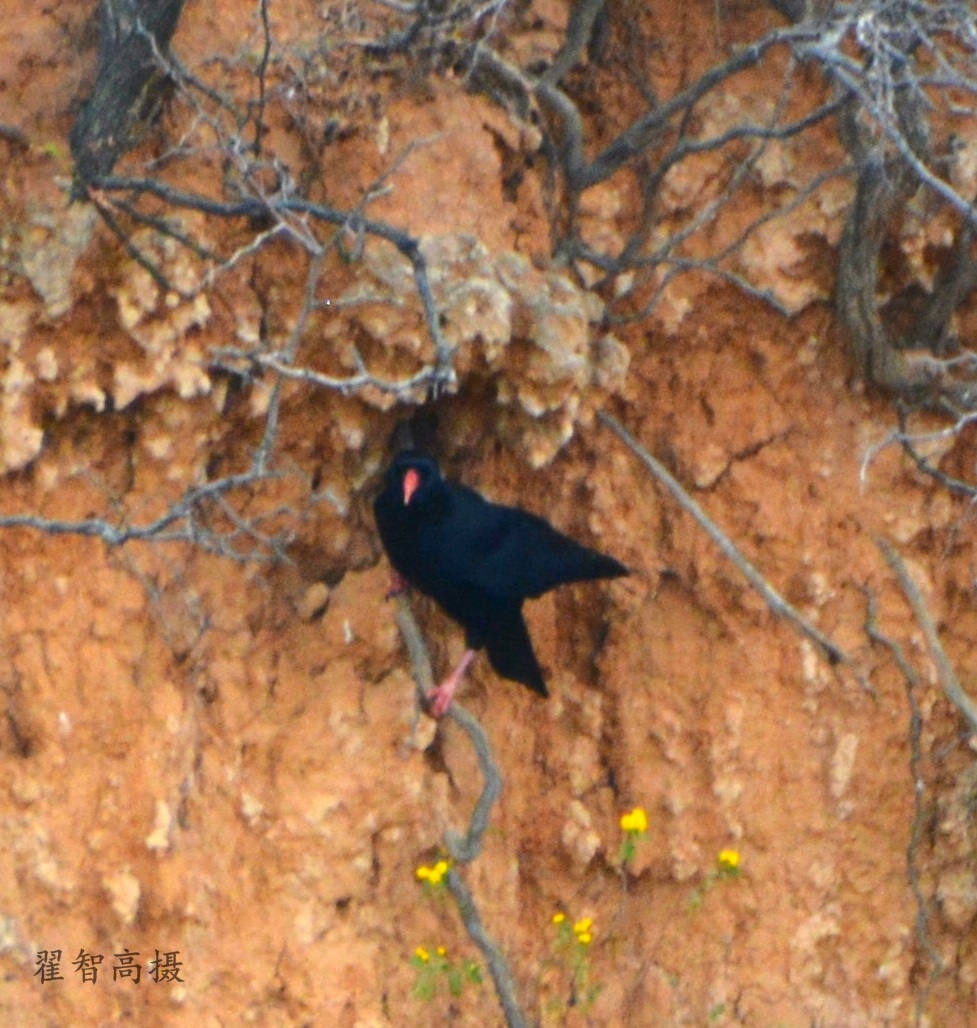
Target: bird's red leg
column 398, row 585
column 440, row 697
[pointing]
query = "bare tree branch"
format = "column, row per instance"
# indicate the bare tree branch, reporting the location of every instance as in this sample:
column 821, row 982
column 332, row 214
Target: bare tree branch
column 829, row 650
column 128, row 83
column 464, row 849
column 913, row 682
column 948, row 676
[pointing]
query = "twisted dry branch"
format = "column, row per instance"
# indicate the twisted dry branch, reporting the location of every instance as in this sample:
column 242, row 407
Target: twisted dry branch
column 464, row 849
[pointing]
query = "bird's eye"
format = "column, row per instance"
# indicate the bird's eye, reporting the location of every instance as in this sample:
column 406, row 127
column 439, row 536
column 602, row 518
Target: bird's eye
column 412, row 482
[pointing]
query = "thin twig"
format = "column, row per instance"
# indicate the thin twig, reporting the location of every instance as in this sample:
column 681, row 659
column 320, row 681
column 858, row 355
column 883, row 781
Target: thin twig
column 829, row 650
column 912, row 679
column 948, row 676
column 177, row 524
column 442, row 375
column 637, row 136
column 259, row 117
column 909, row 441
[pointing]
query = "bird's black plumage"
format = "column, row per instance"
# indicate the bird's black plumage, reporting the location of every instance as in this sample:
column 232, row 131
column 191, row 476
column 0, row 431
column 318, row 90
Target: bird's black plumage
column 479, row 560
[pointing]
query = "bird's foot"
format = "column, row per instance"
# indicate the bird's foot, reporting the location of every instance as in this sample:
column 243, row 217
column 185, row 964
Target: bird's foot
column 440, row 697
column 398, row 585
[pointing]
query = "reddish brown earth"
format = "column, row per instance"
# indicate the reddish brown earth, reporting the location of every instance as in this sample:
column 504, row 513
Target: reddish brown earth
column 197, row 759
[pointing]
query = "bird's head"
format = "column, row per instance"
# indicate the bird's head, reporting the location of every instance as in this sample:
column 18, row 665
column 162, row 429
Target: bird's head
column 411, row 477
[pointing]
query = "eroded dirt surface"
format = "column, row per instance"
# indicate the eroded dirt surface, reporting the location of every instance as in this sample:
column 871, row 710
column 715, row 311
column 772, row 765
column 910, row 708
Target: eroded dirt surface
column 226, row 760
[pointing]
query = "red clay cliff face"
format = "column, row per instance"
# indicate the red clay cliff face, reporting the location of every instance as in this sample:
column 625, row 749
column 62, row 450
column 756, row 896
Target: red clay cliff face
column 223, row 760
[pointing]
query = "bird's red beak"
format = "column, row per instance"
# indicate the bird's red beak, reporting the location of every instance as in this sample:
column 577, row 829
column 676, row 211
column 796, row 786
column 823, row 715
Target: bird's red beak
column 412, row 480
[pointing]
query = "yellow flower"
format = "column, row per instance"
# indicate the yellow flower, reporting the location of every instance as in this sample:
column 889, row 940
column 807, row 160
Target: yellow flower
column 635, row 821
column 584, row 938
column 558, row 917
column 435, row 874
column 582, row 927
column 729, row 860
column 422, row 954
column 442, row 952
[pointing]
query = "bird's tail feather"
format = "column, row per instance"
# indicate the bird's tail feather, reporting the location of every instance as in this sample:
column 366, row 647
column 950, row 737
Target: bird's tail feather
column 510, row 652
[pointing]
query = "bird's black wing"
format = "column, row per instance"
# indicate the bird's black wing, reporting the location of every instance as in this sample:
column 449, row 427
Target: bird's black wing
column 508, row 552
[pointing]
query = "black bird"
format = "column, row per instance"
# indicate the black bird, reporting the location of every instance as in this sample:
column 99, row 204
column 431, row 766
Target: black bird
column 479, row 561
